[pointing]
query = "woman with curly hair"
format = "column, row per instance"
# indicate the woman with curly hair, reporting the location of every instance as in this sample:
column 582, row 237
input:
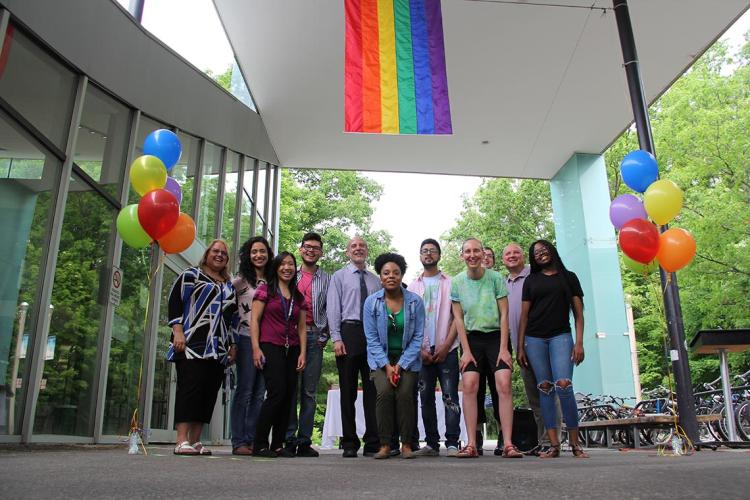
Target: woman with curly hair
column 255, row 259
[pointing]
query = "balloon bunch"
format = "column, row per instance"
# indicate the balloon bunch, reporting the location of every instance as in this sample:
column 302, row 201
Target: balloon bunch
column 639, row 239
column 157, row 216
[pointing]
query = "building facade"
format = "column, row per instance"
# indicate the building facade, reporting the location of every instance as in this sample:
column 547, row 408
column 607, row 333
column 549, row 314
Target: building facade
column 81, row 86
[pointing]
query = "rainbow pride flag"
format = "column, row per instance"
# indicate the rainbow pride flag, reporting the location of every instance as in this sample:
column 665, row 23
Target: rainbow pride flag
column 395, row 79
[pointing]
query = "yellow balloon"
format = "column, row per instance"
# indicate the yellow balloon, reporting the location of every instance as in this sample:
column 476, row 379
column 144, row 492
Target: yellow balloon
column 663, row 201
column 147, row 173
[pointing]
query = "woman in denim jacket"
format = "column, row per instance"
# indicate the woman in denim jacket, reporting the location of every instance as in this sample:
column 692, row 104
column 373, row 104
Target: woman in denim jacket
column 394, row 328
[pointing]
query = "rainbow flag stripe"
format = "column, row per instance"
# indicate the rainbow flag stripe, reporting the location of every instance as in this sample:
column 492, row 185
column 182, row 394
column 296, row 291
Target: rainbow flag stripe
column 395, row 78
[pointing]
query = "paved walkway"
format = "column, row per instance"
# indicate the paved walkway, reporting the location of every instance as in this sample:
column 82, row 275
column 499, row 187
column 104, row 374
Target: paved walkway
column 109, row 472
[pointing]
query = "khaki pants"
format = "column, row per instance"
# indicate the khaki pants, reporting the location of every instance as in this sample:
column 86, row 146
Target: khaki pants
column 397, row 400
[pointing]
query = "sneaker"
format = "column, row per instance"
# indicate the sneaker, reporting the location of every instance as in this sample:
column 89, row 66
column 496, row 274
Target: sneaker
column 452, row 451
column 307, row 452
column 498, row 451
column 427, row 451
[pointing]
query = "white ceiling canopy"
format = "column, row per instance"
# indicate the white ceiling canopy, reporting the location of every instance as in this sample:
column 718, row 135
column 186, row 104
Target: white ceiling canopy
column 530, row 82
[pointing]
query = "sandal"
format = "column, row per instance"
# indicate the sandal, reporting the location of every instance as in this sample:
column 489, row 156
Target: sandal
column 578, row 451
column 468, row 451
column 552, row 452
column 202, row 450
column 511, row 451
column 184, row 448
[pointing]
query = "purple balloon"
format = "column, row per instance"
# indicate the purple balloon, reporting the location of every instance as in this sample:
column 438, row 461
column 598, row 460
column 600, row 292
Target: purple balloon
column 173, row 187
column 622, row 209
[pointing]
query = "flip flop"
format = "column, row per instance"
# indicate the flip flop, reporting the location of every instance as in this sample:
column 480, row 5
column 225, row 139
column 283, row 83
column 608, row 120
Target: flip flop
column 184, row 448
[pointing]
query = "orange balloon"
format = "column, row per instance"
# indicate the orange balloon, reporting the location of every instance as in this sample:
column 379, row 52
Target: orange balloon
column 180, row 237
column 676, row 249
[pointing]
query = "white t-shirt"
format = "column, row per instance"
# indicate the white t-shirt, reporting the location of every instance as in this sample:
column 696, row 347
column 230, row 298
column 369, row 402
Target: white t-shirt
column 431, row 301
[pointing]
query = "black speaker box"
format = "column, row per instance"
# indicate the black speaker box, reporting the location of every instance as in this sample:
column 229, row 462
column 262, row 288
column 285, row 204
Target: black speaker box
column 524, row 430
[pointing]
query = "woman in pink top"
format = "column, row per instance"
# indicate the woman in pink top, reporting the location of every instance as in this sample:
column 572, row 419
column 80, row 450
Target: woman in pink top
column 255, row 263
column 278, row 332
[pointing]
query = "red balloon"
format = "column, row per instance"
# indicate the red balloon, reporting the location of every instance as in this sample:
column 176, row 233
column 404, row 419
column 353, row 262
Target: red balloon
column 158, row 212
column 639, row 240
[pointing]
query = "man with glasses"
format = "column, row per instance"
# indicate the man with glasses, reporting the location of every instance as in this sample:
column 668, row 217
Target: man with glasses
column 312, row 283
column 347, row 292
column 439, row 353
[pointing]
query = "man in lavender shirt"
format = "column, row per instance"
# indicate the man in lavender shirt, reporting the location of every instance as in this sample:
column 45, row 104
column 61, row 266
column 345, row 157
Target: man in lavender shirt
column 513, row 260
column 348, row 289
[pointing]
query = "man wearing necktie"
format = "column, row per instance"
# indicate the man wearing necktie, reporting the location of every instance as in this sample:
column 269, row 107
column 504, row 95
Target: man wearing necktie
column 347, row 292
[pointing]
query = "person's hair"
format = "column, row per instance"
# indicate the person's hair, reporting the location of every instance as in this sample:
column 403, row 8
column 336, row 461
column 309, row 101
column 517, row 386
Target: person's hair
column 430, row 241
column 224, row 272
column 273, row 278
column 247, row 269
column 513, row 244
column 557, row 263
column 312, row 236
column 385, row 258
column 468, row 240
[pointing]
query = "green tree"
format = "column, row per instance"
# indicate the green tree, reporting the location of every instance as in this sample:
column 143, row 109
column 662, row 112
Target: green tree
column 223, row 79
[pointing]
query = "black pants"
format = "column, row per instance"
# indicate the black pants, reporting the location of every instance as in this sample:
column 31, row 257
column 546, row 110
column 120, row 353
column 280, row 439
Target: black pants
column 350, row 367
column 198, row 383
column 280, row 374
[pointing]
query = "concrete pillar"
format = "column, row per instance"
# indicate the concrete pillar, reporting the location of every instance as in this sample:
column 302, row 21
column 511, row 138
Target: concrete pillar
column 587, row 244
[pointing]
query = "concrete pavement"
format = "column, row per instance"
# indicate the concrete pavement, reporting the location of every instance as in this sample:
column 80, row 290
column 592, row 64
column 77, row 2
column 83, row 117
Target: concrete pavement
column 109, row 472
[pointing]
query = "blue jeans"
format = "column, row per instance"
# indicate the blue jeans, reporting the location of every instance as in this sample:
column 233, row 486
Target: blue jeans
column 447, row 373
column 248, row 395
column 307, row 391
column 550, row 360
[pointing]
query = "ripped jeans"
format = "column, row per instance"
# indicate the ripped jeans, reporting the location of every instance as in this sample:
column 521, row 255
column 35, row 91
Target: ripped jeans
column 550, row 360
column 447, row 373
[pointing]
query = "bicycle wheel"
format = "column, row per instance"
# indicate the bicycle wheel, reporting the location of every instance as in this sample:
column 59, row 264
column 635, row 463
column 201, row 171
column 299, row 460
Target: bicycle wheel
column 704, row 428
column 742, row 414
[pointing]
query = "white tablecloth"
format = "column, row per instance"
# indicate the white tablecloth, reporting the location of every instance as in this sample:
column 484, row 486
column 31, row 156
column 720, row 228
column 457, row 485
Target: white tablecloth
column 332, row 423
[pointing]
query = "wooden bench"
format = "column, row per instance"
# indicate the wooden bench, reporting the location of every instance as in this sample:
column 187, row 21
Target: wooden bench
column 634, row 424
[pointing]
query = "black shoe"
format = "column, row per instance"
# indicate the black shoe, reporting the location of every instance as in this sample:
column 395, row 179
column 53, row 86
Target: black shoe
column 480, row 451
column 395, row 452
column 265, row 453
column 285, row 453
column 307, row 452
column 369, row 453
column 498, row 451
column 349, row 454
column 291, row 448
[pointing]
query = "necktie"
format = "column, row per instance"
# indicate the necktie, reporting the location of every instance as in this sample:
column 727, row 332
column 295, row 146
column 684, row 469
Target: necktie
column 362, row 293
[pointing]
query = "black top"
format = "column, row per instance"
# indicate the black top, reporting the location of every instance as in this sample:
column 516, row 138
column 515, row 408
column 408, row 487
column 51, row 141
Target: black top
column 549, row 314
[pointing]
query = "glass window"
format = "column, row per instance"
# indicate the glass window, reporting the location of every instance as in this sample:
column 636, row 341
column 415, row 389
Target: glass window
column 185, row 169
column 103, row 139
column 79, row 299
column 176, row 22
column 126, row 347
column 230, row 196
column 37, row 86
column 27, row 180
column 245, row 218
column 262, row 173
column 209, row 191
column 146, row 125
column 163, row 371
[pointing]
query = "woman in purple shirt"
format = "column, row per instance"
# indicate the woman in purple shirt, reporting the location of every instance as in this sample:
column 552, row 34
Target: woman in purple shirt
column 278, row 334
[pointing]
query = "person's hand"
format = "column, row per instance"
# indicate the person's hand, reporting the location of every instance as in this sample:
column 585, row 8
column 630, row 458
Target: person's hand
column 466, row 360
column 301, row 362
column 577, row 355
column 258, row 358
column 389, row 372
column 232, row 354
column 178, row 341
column 427, row 358
column 339, row 349
column 441, row 353
column 521, row 357
column 505, row 357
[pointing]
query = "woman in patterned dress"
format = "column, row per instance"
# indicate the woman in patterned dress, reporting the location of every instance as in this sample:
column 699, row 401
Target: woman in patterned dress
column 201, row 310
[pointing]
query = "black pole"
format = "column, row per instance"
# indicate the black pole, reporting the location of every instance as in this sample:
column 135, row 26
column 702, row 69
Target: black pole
column 672, row 309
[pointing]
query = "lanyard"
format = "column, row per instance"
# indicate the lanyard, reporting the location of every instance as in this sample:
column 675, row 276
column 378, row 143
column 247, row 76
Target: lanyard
column 287, row 315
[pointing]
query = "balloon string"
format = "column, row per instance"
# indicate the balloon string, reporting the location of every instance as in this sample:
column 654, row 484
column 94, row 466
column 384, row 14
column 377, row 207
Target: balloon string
column 134, row 426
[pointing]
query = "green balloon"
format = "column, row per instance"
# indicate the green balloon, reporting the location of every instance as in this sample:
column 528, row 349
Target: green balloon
column 130, row 229
column 638, row 268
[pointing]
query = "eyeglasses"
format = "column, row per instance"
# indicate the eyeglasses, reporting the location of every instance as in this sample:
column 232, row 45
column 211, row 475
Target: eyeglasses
column 312, row 248
column 428, row 251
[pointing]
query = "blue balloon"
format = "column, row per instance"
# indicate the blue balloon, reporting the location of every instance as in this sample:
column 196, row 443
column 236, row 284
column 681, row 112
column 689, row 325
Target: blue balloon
column 639, row 170
column 165, row 145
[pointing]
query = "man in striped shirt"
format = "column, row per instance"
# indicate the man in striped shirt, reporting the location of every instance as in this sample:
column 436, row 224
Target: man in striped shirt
column 312, row 283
